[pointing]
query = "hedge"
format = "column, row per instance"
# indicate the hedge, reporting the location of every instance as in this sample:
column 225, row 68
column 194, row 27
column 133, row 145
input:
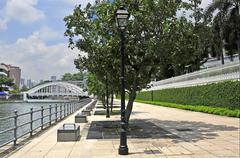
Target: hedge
column 223, row 94
column 205, row 109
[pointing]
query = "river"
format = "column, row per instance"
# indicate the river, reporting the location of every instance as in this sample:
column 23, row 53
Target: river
column 8, row 109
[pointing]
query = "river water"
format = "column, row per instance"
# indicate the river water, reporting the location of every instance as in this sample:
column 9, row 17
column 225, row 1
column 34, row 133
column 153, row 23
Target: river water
column 8, row 109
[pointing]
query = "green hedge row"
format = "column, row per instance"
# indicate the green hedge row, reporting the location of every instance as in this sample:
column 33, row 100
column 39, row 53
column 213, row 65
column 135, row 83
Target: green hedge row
column 223, row 94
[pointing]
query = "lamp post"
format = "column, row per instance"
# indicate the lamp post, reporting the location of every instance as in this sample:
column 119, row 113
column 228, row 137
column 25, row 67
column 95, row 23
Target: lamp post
column 122, row 17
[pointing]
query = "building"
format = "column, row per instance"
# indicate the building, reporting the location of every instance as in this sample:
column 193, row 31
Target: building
column 53, row 78
column 29, row 84
column 22, row 83
column 13, row 72
column 3, row 70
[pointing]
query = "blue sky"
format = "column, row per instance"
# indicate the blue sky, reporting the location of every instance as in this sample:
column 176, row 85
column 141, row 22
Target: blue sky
column 31, row 36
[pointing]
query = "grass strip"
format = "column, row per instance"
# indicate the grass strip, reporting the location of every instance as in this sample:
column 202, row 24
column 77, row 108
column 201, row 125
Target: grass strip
column 197, row 108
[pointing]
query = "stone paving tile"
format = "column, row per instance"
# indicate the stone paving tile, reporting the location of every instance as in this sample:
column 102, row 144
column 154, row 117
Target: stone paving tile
column 179, row 156
column 224, row 153
column 173, row 135
column 204, row 156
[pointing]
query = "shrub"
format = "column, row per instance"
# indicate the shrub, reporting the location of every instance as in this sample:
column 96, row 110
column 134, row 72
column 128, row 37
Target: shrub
column 223, row 94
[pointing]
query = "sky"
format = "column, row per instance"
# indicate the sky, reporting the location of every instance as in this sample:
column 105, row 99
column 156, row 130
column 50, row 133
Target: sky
column 32, row 36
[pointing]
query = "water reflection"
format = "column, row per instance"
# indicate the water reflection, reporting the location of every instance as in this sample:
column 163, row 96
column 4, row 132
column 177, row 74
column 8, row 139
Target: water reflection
column 8, row 109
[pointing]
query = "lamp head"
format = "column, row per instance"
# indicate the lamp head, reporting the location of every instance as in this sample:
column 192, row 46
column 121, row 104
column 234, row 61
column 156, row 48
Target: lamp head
column 122, row 17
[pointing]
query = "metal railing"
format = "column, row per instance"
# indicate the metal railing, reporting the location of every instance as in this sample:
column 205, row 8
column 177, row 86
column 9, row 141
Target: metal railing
column 38, row 119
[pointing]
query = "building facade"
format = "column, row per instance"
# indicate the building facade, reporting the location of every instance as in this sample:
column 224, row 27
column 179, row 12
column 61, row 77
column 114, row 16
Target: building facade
column 29, row 83
column 10, row 71
column 15, row 74
column 3, row 70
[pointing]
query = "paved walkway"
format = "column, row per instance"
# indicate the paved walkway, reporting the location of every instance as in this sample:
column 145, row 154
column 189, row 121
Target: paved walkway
column 154, row 132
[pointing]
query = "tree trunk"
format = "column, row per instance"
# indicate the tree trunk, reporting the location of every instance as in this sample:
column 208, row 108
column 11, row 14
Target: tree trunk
column 103, row 101
column 112, row 97
column 132, row 97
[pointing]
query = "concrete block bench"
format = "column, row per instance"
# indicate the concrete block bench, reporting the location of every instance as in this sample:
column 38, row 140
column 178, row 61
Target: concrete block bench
column 86, row 112
column 81, row 118
column 89, row 108
column 68, row 132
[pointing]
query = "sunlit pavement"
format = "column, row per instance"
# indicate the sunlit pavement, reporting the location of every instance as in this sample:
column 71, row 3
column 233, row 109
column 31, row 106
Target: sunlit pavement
column 154, row 132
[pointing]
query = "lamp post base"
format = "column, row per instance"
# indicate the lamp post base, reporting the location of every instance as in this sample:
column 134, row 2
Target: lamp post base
column 123, row 150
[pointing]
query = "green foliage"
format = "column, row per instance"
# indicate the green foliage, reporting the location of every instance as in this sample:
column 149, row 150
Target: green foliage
column 74, row 77
column 205, row 109
column 224, row 94
column 151, row 44
column 158, row 44
column 15, row 90
column 4, row 80
column 224, row 17
column 94, row 86
column 24, row 89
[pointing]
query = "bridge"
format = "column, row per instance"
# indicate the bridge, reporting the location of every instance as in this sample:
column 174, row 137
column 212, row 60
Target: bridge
column 54, row 91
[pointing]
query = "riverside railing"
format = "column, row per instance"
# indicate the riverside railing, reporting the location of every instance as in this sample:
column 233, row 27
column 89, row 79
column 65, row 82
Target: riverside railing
column 38, row 119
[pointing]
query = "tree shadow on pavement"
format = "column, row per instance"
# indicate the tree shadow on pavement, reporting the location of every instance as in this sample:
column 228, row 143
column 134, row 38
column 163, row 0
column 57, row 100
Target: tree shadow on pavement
column 177, row 131
column 190, row 131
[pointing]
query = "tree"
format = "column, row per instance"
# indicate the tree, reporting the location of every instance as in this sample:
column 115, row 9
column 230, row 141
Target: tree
column 67, row 77
column 152, row 41
column 74, row 77
column 15, row 89
column 96, row 87
column 24, row 89
column 5, row 81
column 226, row 23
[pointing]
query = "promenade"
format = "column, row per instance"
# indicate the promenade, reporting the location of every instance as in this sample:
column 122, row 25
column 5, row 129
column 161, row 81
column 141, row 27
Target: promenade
column 155, row 132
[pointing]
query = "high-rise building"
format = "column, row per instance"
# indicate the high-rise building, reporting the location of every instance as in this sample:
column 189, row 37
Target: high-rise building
column 22, row 83
column 15, row 74
column 29, row 83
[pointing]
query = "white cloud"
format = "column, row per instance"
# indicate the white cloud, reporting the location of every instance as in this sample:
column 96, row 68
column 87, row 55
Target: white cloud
column 3, row 24
column 47, row 34
column 23, row 11
column 37, row 59
column 76, row 2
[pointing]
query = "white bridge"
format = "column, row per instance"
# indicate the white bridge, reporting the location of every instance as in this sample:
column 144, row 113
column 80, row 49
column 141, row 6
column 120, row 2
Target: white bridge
column 53, row 91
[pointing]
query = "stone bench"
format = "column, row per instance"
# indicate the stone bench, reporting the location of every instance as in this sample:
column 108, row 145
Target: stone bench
column 68, row 132
column 80, row 118
column 89, row 108
column 86, row 112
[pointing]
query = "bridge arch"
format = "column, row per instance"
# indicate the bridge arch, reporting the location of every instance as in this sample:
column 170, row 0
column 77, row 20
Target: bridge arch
column 54, row 89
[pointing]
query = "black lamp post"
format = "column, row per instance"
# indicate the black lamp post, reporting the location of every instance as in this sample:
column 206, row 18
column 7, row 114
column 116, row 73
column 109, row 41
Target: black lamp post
column 122, row 17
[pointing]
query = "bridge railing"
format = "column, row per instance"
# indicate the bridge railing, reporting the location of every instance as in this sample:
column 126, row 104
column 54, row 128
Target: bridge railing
column 29, row 122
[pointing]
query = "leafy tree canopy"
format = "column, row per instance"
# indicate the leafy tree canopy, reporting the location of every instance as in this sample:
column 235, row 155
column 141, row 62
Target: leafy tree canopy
column 156, row 42
column 73, row 77
column 4, row 80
